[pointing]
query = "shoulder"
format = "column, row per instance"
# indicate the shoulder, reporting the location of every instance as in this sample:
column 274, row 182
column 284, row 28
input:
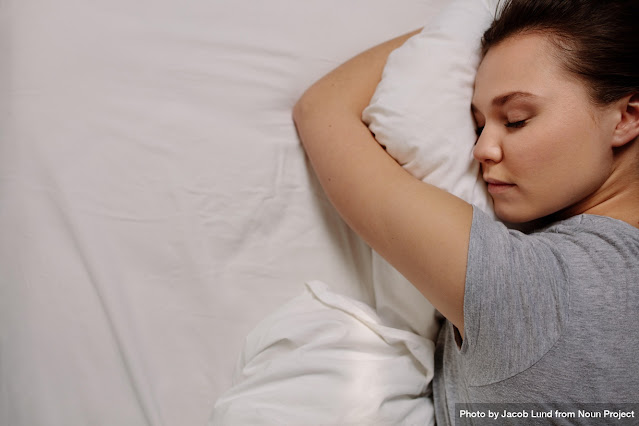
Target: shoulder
column 520, row 287
column 594, row 227
column 591, row 241
column 585, row 233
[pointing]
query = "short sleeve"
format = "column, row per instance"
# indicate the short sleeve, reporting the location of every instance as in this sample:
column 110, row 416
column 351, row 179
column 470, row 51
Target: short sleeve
column 515, row 303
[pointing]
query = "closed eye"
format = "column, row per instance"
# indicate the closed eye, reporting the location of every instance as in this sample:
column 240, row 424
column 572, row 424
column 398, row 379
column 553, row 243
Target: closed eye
column 516, row 124
column 479, row 130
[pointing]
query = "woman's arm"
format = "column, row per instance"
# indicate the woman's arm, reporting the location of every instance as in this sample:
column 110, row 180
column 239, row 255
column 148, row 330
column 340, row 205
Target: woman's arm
column 421, row 230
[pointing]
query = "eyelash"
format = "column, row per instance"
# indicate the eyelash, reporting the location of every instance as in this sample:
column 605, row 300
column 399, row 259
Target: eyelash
column 516, row 124
column 513, row 125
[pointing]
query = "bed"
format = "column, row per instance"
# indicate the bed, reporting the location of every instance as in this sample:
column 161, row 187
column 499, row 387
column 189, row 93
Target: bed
column 155, row 202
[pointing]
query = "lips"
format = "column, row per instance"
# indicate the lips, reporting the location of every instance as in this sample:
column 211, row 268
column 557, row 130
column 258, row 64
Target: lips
column 496, row 186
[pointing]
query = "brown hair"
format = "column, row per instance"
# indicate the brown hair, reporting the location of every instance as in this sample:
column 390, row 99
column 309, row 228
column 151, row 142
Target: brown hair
column 597, row 40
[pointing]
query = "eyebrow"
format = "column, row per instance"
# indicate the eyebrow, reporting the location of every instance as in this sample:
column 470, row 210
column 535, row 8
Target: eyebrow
column 504, row 99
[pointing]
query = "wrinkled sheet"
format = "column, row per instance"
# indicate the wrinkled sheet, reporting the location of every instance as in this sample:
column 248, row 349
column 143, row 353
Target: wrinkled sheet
column 155, row 203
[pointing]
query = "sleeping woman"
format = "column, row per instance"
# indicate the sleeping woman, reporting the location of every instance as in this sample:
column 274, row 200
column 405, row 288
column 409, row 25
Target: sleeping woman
column 549, row 316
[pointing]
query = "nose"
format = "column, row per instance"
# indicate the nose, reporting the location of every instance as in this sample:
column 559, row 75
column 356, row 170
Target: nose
column 487, row 148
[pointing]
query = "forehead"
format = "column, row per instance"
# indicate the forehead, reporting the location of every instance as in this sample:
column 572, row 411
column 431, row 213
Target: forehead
column 522, row 63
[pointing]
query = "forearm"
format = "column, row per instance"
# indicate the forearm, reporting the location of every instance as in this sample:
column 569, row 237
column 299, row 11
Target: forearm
column 328, row 119
column 421, row 230
column 349, row 87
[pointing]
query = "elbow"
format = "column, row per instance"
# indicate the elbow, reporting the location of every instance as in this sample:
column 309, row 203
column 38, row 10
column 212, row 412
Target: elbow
column 298, row 111
column 309, row 116
column 321, row 105
column 303, row 107
column 303, row 121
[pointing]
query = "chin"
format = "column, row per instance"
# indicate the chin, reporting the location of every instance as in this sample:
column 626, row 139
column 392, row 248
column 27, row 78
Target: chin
column 521, row 221
column 509, row 216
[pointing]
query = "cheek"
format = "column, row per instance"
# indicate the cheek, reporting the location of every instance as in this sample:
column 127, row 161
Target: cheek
column 557, row 140
column 535, row 153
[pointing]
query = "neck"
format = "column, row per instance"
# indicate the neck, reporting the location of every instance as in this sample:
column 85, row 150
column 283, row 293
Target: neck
column 618, row 197
column 623, row 206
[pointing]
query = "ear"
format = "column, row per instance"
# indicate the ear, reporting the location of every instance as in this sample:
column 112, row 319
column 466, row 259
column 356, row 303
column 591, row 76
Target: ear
column 627, row 128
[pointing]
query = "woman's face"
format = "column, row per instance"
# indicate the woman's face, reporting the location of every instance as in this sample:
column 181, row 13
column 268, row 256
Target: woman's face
column 544, row 146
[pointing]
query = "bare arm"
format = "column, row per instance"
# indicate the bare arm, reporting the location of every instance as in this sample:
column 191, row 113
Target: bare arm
column 421, row 230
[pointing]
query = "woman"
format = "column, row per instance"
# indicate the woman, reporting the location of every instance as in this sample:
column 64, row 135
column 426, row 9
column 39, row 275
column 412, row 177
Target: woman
column 547, row 317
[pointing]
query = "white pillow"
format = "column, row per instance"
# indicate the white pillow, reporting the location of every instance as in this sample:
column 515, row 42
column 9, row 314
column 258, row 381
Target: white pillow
column 421, row 113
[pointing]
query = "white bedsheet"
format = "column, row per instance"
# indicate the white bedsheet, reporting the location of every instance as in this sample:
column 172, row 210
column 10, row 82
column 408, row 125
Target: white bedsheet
column 155, row 203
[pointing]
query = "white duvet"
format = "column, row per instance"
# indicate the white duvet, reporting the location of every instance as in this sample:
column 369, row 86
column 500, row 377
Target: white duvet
column 326, row 359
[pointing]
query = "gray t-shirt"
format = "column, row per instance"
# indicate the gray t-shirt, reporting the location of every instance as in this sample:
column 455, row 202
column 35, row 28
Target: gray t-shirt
column 549, row 318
